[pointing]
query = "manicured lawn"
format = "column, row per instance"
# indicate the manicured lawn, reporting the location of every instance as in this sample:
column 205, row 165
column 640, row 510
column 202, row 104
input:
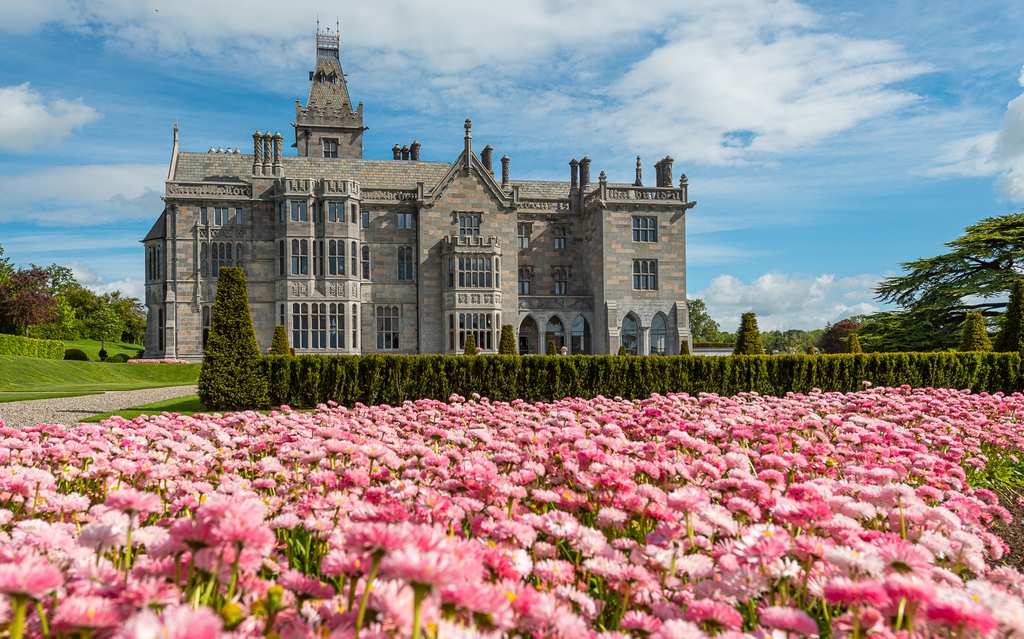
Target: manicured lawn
column 92, row 348
column 20, row 397
column 188, row 405
column 59, row 376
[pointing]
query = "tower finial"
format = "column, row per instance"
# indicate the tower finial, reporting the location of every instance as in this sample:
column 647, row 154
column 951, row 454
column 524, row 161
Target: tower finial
column 639, row 173
column 468, row 126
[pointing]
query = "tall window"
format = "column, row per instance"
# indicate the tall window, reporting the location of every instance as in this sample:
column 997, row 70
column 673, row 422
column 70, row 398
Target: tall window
column 523, row 236
column 525, row 276
column 559, row 238
column 561, row 281
column 319, row 332
column 336, row 258
column 630, row 334
column 220, row 256
column 153, row 268
column 336, row 320
column 206, row 326
column 300, row 257
column 300, row 326
column 475, row 272
column 580, row 336
column 281, row 208
column 355, row 326
column 160, row 330
column 658, row 333
column 355, row 212
column 387, row 327
column 355, row 258
column 479, row 325
column 204, row 216
column 318, row 258
column 335, row 212
column 645, row 275
column 220, row 216
column 299, row 212
column 645, row 229
column 281, row 258
column 238, row 217
column 366, row 262
column 469, row 226
column 282, row 317
column 405, row 263
column 366, row 219
column 330, row 148
column 405, row 220
column 238, row 256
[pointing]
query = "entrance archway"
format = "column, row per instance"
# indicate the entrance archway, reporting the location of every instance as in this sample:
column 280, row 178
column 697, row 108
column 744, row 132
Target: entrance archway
column 528, row 336
column 581, row 336
column 630, row 334
column 554, row 332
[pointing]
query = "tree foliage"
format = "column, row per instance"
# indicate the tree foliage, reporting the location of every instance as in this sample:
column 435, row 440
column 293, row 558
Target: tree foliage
column 748, row 337
column 853, row 344
column 507, row 346
column 702, row 327
column 470, row 345
column 280, row 344
column 104, row 325
column 974, row 336
column 795, row 339
column 1011, row 337
column 25, row 299
column 834, row 339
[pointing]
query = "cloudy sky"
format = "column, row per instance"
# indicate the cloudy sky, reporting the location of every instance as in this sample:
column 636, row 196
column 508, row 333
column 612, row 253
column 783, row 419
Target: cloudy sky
column 825, row 142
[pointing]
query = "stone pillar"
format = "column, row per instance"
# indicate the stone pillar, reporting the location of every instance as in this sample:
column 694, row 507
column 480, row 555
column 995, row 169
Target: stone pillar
column 468, row 142
column 684, row 185
column 268, row 152
column 574, row 176
column 639, row 173
column 397, row 150
column 405, row 152
column 504, row 171
column 667, row 168
column 643, row 346
column 257, row 153
column 278, row 166
column 584, row 173
column 487, row 157
column 414, row 151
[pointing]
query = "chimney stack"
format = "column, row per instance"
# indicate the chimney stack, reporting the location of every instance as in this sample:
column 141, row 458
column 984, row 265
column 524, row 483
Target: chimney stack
column 504, row 171
column 584, row 173
column 574, row 179
column 486, row 156
column 414, row 151
column 397, row 150
column 257, row 153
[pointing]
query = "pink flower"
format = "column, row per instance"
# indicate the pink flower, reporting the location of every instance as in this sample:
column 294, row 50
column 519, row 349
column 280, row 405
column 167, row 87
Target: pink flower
column 31, row 577
column 77, row 613
column 961, row 613
column 375, row 537
column 422, row 568
column 131, row 501
column 303, row 586
column 842, row 590
column 179, row 622
column 713, row 616
column 790, row 620
column 678, row 629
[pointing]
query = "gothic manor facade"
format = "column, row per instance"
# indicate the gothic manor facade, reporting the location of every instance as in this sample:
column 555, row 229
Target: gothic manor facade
column 408, row 256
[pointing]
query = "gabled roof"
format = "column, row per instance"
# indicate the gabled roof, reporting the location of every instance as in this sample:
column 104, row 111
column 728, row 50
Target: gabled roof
column 159, row 230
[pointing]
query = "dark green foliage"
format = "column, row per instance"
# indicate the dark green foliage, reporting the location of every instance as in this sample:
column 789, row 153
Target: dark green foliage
column 702, row 327
column 684, row 347
column 795, row 339
column 812, row 349
column 551, row 348
column 974, row 336
column 231, row 378
column 392, row 379
column 280, row 344
column 714, row 344
column 622, row 351
column 119, row 358
column 470, row 345
column 76, row 354
column 1011, row 337
column 28, row 347
column 834, row 339
column 853, row 344
column 914, row 331
column 507, row 346
column 748, row 337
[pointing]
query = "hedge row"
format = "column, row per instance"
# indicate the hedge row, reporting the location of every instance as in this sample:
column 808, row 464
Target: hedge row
column 391, row 379
column 29, row 347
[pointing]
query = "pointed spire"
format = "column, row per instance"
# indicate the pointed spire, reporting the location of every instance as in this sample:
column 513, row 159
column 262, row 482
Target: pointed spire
column 639, row 173
column 469, row 141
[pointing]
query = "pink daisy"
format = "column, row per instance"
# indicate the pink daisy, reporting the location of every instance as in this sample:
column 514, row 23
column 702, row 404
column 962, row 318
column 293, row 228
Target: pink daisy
column 180, row 622
column 855, row 593
column 31, row 577
column 131, row 501
column 713, row 616
column 790, row 620
column 86, row 613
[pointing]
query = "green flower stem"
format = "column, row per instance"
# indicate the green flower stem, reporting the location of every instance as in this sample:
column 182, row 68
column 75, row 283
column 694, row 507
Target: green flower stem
column 19, row 603
column 42, row 620
column 361, row 615
column 419, row 594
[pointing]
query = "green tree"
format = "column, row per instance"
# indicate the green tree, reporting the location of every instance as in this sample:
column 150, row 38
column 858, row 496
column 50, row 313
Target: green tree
column 230, row 378
column 702, row 327
column 791, row 339
column 684, row 347
column 280, row 344
column 1011, row 337
column 834, row 339
column 552, row 349
column 853, row 344
column 974, row 336
column 6, row 268
column 105, row 326
column 130, row 313
column 748, row 337
column 507, row 346
column 470, row 345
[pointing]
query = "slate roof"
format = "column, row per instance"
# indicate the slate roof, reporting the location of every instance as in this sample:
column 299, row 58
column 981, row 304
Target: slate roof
column 159, row 230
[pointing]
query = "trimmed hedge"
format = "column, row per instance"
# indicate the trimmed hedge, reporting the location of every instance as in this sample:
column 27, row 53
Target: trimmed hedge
column 392, row 379
column 29, row 347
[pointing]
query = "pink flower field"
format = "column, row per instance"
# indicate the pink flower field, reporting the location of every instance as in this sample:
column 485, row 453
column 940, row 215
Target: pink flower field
column 674, row 517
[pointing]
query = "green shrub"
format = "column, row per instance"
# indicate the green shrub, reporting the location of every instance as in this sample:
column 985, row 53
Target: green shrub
column 714, row 344
column 974, row 337
column 853, row 344
column 280, row 343
column 748, row 337
column 551, row 350
column 29, row 347
column 1011, row 338
column 119, row 358
column 684, row 347
column 812, row 349
column 76, row 354
column 507, row 346
column 470, row 345
column 622, row 351
column 230, row 378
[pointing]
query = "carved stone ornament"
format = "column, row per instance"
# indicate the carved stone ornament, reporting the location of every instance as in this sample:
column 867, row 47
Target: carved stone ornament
column 449, row 300
column 300, row 289
column 209, row 189
column 389, row 195
column 337, row 289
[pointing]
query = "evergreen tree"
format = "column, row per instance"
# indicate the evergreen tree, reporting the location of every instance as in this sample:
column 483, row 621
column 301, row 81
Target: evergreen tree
column 470, row 345
column 748, row 337
column 230, row 378
column 280, row 344
column 622, row 350
column 507, row 346
column 551, row 348
column 684, row 347
column 1011, row 338
column 853, row 344
column 974, row 336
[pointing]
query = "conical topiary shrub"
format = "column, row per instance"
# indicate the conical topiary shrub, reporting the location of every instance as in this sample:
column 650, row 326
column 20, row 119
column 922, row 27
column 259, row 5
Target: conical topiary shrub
column 507, row 346
column 470, row 345
column 974, row 336
column 684, row 347
column 748, row 337
column 280, row 344
column 230, row 378
column 552, row 350
column 1011, row 338
column 853, row 344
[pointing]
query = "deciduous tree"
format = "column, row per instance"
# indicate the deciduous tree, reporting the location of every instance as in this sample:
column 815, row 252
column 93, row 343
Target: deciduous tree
column 25, row 299
column 834, row 339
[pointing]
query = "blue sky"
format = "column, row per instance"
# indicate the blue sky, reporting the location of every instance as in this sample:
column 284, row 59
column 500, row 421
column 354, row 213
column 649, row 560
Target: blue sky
column 825, row 142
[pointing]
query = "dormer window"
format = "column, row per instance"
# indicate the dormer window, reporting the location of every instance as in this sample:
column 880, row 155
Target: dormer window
column 330, row 148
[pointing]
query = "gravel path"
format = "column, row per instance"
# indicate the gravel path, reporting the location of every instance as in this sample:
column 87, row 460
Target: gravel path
column 71, row 410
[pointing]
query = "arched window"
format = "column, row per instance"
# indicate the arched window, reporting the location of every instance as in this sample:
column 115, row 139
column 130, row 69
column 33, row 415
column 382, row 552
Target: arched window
column 238, row 256
column 355, row 257
column 366, row 262
column 355, row 325
column 554, row 332
column 480, row 326
column 528, row 336
column 658, row 333
column 300, row 326
column 525, row 277
column 319, row 329
column 295, row 257
column 337, row 323
column 405, row 263
column 206, row 326
column 336, row 258
column 160, row 327
column 629, row 335
column 451, row 280
column 581, row 336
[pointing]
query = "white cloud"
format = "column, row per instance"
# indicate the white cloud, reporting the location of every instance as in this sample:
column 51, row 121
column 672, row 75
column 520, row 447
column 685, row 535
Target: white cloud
column 783, row 302
column 93, row 281
column 28, row 121
column 83, row 195
column 997, row 153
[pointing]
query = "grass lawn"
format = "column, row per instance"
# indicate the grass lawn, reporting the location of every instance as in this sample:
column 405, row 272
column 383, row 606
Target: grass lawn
column 92, row 348
column 188, row 405
column 22, row 396
column 34, row 374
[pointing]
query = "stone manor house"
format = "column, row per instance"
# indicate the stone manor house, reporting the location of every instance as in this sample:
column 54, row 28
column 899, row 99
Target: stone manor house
column 402, row 255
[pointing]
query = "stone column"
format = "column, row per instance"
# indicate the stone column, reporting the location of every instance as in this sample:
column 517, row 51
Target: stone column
column 574, row 176
column 639, row 173
column 487, row 157
column 278, row 166
column 643, row 341
column 257, row 153
column 397, row 151
column 504, row 171
column 414, row 151
column 268, row 152
column 584, row 173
